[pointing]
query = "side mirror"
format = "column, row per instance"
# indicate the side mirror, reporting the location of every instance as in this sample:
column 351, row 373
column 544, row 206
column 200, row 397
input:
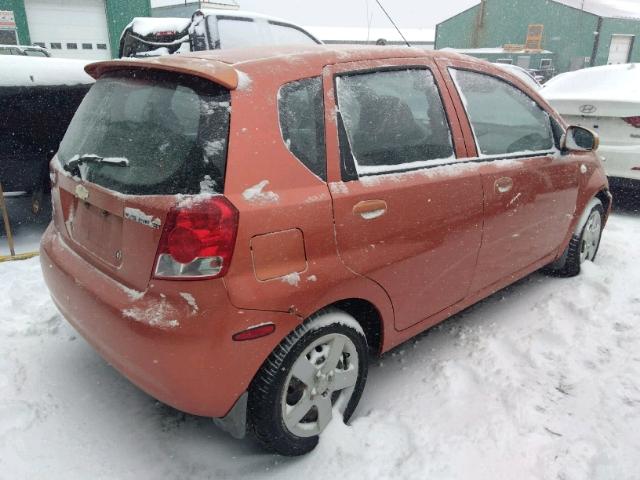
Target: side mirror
column 579, row 139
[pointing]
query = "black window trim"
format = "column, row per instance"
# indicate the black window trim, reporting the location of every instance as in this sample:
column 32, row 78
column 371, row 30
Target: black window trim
column 323, row 147
column 506, row 156
column 348, row 167
column 294, row 27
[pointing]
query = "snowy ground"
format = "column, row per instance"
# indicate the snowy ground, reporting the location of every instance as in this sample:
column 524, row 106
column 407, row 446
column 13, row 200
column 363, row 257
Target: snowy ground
column 541, row 381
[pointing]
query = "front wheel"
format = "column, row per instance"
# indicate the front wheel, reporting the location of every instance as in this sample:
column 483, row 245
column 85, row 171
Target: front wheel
column 583, row 245
column 318, row 370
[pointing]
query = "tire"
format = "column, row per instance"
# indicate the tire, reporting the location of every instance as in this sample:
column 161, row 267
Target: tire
column 300, row 385
column 583, row 246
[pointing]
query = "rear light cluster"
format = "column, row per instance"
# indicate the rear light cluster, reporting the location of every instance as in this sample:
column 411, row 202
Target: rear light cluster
column 197, row 241
column 633, row 121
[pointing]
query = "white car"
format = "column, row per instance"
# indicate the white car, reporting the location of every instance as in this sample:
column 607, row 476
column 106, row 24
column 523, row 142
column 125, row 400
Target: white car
column 607, row 100
column 208, row 29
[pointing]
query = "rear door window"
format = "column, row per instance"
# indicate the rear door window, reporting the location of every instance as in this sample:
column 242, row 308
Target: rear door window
column 504, row 119
column 394, row 120
column 301, row 110
column 171, row 130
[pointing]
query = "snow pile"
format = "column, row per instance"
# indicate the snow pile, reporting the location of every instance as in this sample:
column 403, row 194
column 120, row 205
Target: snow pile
column 541, row 381
column 23, row 71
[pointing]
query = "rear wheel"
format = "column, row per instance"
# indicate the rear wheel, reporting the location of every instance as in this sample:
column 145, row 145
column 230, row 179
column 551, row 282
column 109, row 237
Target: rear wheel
column 316, row 372
column 583, row 246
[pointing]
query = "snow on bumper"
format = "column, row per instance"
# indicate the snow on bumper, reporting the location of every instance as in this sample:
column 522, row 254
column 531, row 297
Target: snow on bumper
column 181, row 355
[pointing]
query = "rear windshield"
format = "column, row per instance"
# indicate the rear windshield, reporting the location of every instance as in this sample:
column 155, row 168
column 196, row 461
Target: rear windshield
column 150, row 133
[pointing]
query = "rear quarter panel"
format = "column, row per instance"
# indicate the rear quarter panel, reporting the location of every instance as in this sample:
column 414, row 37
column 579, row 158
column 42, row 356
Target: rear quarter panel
column 275, row 193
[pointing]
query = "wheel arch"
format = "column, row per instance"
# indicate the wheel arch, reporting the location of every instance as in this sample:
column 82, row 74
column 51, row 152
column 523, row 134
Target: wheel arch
column 367, row 315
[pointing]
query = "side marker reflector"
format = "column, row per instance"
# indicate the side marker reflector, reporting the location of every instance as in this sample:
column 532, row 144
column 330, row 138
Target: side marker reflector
column 254, row 332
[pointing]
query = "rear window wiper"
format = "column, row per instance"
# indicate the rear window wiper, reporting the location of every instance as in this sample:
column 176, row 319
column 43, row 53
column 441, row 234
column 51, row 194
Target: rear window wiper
column 77, row 160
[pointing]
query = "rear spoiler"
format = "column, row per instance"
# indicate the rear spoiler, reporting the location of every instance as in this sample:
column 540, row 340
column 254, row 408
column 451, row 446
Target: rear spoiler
column 213, row 70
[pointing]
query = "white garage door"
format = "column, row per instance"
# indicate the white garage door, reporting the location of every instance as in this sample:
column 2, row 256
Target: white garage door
column 620, row 49
column 70, row 28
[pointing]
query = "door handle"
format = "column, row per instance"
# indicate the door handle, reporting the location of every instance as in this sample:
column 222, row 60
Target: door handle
column 504, row 184
column 370, row 209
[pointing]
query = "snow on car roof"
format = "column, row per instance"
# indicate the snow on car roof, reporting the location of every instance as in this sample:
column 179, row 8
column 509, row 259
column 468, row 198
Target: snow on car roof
column 144, row 26
column 242, row 13
column 609, row 82
column 24, row 71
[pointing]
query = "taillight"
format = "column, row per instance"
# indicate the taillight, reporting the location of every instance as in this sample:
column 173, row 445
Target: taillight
column 197, row 240
column 633, row 121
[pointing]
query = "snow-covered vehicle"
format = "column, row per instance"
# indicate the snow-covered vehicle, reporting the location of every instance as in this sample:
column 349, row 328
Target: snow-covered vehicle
column 607, row 100
column 235, row 230
column 24, row 50
column 38, row 98
column 208, row 29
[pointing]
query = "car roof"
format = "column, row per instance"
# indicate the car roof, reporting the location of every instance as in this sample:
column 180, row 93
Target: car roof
column 221, row 66
column 24, row 47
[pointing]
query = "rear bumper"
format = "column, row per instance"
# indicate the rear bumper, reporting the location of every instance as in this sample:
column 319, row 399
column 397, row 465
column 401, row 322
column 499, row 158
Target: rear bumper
column 181, row 355
column 619, row 161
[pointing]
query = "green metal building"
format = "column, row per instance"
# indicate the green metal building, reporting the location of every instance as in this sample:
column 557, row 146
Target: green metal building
column 571, row 34
column 87, row 29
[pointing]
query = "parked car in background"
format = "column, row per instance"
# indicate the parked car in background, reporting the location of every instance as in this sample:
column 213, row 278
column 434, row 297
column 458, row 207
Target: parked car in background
column 208, row 29
column 38, row 98
column 30, row 51
column 607, row 100
column 521, row 73
column 234, row 231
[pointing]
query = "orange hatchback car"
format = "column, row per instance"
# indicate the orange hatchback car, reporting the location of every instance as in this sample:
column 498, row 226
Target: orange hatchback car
column 236, row 231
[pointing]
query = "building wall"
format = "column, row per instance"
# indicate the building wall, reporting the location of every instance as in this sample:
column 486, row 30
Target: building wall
column 568, row 32
column 17, row 6
column 119, row 15
column 612, row 26
column 457, row 31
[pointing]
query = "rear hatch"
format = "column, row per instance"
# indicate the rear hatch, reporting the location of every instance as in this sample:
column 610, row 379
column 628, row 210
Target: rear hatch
column 140, row 140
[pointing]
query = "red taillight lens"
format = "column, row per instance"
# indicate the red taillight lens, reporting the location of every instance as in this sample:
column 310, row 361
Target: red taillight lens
column 198, row 240
column 633, row 121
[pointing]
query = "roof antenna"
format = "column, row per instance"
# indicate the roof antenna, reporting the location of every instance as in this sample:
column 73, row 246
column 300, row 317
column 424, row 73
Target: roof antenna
column 392, row 22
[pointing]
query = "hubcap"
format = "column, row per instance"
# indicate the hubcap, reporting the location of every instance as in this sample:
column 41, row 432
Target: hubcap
column 591, row 237
column 323, row 376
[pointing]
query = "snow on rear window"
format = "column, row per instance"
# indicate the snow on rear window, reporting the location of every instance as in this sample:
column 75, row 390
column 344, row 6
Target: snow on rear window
column 172, row 130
